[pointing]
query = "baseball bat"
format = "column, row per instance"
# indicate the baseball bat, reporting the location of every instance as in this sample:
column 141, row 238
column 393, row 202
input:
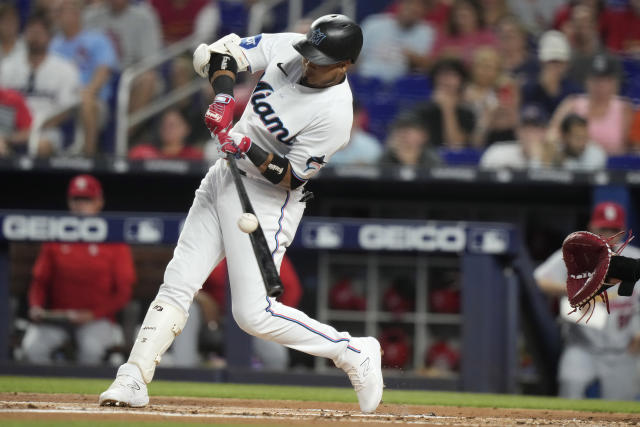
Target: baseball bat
column 270, row 276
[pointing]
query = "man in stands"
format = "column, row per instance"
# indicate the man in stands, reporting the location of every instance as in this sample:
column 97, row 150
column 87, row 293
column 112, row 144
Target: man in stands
column 50, row 84
column 78, row 288
column 95, row 56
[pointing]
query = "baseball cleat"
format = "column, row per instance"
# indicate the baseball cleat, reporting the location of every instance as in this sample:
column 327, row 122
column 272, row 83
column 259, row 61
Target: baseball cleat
column 364, row 369
column 127, row 390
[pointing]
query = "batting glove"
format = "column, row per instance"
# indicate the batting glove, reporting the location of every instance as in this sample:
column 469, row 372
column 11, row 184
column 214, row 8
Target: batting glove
column 230, row 147
column 220, row 114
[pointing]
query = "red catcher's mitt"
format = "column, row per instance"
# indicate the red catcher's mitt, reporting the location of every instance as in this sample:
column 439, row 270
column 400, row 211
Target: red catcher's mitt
column 587, row 257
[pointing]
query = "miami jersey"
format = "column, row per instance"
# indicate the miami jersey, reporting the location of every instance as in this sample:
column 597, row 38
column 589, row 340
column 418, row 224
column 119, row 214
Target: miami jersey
column 305, row 125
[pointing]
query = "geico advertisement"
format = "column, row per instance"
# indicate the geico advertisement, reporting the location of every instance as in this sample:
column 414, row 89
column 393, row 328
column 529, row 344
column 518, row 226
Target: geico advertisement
column 61, row 228
column 408, row 237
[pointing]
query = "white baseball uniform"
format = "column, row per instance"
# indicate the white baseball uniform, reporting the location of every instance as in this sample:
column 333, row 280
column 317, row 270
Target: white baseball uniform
column 597, row 352
column 305, row 125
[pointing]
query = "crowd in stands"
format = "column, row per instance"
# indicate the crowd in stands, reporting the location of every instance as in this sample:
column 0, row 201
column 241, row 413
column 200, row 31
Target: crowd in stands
column 493, row 78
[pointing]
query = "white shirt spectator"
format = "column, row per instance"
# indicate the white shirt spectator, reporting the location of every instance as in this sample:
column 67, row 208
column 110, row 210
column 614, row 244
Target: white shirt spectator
column 135, row 32
column 19, row 48
column 55, row 84
column 384, row 44
column 506, row 155
column 592, row 158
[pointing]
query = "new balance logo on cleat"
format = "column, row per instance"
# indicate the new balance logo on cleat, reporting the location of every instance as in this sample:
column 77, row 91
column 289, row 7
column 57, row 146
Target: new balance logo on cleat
column 364, row 367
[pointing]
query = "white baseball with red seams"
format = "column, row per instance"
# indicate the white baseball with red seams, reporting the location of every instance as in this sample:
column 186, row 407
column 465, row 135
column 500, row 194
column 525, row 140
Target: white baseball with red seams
column 306, row 126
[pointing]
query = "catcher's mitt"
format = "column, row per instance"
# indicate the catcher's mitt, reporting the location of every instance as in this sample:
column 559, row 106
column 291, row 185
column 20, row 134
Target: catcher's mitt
column 588, row 258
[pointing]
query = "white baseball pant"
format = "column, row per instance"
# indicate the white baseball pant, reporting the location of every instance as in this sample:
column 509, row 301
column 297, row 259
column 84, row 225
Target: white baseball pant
column 211, row 232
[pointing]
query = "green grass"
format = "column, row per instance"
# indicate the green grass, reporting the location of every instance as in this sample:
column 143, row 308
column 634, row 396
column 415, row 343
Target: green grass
column 325, row 394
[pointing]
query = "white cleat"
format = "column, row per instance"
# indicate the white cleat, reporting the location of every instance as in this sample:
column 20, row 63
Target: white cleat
column 364, row 370
column 127, row 390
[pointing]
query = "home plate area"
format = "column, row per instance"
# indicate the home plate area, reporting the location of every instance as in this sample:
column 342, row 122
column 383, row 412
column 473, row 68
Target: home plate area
column 30, row 406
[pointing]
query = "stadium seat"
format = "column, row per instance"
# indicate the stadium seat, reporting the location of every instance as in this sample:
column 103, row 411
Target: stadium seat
column 365, row 89
column 462, row 157
column 411, row 89
column 381, row 112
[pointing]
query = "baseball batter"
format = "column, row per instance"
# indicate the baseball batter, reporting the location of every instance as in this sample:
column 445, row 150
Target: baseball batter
column 604, row 348
column 299, row 115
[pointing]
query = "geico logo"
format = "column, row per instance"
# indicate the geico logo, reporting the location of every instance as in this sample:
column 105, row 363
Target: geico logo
column 65, row 228
column 422, row 238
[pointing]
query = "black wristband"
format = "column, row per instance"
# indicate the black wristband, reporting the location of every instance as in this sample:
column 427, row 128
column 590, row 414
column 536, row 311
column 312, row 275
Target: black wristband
column 223, row 84
column 220, row 62
column 257, row 155
column 276, row 169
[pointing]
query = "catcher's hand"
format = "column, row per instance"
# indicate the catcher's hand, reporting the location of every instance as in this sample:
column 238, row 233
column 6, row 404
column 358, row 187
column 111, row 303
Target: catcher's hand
column 593, row 267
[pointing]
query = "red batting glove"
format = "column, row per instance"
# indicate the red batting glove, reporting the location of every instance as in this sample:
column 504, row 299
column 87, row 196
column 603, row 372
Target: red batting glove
column 228, row 146
column 220, row 114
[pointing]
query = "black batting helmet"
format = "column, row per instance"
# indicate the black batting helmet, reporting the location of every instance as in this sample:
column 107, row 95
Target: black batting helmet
column 331, row 39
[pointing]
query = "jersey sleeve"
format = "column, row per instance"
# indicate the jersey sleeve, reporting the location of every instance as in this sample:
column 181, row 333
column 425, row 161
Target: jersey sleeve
column 42, row 274
column 313, row 148
column 553, row 269
column 260, row 50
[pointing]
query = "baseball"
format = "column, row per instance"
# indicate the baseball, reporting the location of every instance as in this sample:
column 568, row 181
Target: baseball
column 248, row 222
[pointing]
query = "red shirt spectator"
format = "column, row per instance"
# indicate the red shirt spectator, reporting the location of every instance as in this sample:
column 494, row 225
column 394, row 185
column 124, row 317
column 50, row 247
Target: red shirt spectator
column 15, row 120
column 149, row 151
column 216, row 284
column 174, row 131
column 13, row 102
column 621, row 29
column 83, row 276
column 437, row 12
column 177, row 17
column 465, row 32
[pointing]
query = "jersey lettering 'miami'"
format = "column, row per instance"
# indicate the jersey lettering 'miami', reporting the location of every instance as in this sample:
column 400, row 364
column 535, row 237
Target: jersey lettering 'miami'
column 267, row 114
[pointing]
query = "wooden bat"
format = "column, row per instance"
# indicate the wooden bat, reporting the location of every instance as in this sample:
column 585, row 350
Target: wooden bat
column 270, row 276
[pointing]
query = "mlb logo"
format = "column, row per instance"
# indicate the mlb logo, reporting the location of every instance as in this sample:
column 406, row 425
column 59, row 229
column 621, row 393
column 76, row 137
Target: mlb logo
column 322, row 236
column 143, row 230
column 489, row 241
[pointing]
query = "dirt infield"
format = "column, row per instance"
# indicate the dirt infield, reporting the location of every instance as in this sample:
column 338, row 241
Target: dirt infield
column 26, row 406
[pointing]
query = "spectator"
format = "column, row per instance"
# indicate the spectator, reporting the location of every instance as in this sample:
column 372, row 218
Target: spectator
column 465, row 32
column 408, row 145
column 552, row 84
column 363, row 148
column 562, row 20
column 174, row 131
column 135, row 32
column 436, row 11
column 15, row 121
column 50, row 84
column 494, row 11
column 184, row 18
column 517, row 61
column 395, row 44
column 577, row 151
column 448, row 121
column 530, row 149
column 621, row 29
column 78, row 287
column 606, row 348
column 608, row 114
column 211, row 307
column 493, row 97
column 535, row 15
column 584, row 37
column 96, row 59
column 10, row 42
